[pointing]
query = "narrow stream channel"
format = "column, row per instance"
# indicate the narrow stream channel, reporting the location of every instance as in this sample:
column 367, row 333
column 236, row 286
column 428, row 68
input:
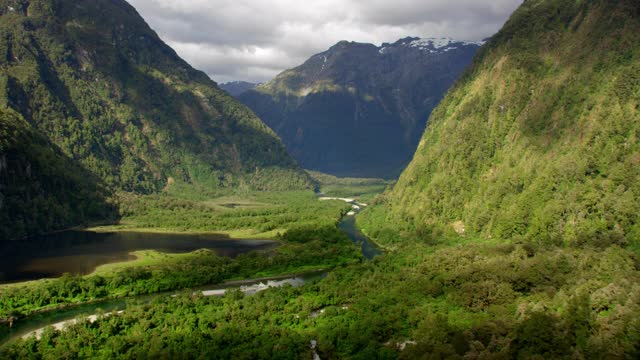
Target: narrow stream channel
column 349, row 227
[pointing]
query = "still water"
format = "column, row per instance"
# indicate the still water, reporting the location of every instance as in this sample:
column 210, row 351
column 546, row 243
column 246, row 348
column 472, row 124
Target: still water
column 80, row 252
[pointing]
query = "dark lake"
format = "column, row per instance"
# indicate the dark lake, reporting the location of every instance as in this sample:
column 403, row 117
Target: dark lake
column 80, row 252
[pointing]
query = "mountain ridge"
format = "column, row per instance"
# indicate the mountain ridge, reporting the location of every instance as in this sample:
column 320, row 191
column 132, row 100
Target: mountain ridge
column 355, row 110
column 123, row 68
column 40, row 187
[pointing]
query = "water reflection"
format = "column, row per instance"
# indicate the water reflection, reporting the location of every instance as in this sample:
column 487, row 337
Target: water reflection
column 80, row 252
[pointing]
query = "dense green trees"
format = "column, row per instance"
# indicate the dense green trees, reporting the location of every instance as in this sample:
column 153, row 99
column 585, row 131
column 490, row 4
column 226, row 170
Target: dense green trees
column 306, row 228
column 510, row 230
column 472, row 301
column 365, row 189
column 253, row 214
column 539, row 139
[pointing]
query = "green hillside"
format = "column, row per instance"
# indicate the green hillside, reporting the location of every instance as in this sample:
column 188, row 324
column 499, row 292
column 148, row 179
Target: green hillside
column 41, row 188
column 94, row 80
column 539, row 139
column 102, row 86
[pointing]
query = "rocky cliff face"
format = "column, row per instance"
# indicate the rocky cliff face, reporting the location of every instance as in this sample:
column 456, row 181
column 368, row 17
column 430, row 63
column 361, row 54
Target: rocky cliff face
column 359, row 109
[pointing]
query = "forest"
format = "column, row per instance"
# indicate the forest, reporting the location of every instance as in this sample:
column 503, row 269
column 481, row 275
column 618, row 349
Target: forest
column 537, row 142
column 451, row 301
column 126, row 109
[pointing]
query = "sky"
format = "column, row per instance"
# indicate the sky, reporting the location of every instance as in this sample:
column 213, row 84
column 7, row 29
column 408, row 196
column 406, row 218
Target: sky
column 254, row 40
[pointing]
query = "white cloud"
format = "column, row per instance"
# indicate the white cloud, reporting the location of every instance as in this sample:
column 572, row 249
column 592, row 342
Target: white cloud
column 254, row 40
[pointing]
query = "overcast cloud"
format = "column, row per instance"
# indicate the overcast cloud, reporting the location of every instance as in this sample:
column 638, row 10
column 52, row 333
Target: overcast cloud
column 254, row 40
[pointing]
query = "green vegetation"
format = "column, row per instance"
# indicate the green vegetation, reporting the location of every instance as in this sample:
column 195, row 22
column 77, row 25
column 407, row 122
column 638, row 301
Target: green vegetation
column 474, row 301
column 308, row 235
column 513, row 232
column 40, row 187
column 252, row 215
column 538, row 141
column 97, row 82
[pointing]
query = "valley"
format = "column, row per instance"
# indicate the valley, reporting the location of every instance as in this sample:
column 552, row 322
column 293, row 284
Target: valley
column 81, row 252
column 419, row 199
column 312, row 245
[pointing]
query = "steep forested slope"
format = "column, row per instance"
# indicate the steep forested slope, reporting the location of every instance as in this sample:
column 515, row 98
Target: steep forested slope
column 359, row 109
column 40, row 187
column 100, row 84
column 539, row 139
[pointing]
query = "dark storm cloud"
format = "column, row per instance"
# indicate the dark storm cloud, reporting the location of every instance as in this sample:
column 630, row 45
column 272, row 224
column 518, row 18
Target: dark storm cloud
column 255, row 39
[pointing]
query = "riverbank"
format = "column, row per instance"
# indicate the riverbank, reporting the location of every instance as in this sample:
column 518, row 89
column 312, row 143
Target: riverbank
column 149, row 258
column 84, row 252
column 239, row 234
column 61, row 318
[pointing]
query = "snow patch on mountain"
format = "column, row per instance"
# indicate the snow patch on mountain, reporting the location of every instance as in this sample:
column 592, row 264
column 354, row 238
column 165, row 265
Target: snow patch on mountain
column 430, row 45
column 445, row 44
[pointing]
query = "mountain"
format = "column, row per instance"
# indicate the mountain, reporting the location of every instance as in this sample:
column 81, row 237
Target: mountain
column 359, row 109
column 93, row 80
column 102, row 86
column 538, row 141
column 236, row 88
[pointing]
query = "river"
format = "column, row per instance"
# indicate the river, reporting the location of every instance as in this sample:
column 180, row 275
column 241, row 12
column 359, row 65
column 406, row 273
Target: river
column 99, row 248
column 349, row 227
column 81, row 252
column 35, row 324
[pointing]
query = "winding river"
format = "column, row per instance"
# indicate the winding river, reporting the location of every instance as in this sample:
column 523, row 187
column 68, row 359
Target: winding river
column 349, row 227
column 48, row 256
